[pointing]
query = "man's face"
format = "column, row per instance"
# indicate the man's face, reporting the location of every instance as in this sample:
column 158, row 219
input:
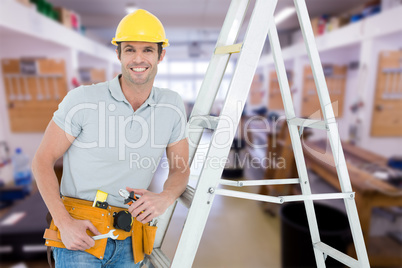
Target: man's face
column 139, row 62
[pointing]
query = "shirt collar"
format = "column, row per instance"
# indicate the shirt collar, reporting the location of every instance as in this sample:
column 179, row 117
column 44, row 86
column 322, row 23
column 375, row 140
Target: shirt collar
column 117, row 92
column 151, row 98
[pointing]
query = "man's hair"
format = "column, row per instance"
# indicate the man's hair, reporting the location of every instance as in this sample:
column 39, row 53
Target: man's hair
column 160, row 48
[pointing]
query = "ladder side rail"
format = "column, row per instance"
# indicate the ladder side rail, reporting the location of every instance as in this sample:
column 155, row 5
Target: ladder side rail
column 209, row 89
column 157, row 259
column 350, row 205
column 147, row 262
column 315, row 62
column 216, row 69
column 210, row 175
column 333, row 133
column 337, row 255
column 296, row 143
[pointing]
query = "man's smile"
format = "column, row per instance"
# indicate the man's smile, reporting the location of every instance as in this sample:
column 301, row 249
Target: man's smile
column 138, row 69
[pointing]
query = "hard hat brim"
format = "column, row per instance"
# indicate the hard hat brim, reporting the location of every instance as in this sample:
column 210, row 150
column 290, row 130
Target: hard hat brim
column 165, row 42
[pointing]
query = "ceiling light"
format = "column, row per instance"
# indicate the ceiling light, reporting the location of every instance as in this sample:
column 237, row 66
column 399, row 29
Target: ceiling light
column 284, row 14
column 130, row 8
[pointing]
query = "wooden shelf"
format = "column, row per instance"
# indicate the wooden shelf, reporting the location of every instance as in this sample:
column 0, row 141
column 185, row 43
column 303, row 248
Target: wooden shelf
column 353, row 34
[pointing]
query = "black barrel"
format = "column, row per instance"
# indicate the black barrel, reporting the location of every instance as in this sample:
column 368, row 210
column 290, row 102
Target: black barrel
column 297, row 249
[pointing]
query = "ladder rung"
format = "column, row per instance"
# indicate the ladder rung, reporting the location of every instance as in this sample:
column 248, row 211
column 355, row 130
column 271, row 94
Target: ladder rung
column 308, row 123
column 236, row 48
column 292, row 198
column 204, row 121
column 242, row 183
column 336, row 254
column 187, row 197
column 282, row 199
column 250, row 196
column 158, row 259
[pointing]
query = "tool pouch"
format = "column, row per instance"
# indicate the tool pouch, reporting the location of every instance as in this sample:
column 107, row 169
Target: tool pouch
column 143, row 235
column 149, row 233
column 97, row 216
column 142, row 240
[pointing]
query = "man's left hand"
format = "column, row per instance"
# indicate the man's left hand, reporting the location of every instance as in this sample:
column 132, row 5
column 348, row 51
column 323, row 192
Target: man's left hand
column 149, row 205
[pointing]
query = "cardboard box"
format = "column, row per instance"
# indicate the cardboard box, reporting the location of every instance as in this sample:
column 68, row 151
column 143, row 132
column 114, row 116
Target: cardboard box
column 337, row 22
column 314, row 24
column 64, row 16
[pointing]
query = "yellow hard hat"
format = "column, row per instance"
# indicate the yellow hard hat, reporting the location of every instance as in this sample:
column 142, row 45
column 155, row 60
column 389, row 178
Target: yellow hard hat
column 140, row 26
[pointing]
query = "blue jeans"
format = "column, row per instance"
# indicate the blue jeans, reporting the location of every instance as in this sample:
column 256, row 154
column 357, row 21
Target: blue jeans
column 118, row 253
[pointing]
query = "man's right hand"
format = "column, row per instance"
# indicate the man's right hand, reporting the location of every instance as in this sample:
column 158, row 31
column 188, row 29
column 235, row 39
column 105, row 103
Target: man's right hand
column 74, row 234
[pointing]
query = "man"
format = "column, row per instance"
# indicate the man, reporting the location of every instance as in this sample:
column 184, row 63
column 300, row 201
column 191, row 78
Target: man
column 108, row 134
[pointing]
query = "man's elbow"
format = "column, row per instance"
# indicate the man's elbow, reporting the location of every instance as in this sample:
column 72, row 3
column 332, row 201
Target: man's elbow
column 36, row 160
column 187, row 169
column 40, row 162
column 186, row 173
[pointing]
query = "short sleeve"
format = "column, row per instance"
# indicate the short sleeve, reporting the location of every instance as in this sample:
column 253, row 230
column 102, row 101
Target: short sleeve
column 179, row 122
column 69, row 115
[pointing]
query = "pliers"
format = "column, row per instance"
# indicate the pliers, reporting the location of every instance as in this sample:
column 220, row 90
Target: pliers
column 129, row 198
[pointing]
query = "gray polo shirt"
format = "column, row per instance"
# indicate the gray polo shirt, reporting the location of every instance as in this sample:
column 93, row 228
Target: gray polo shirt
column 115, row 147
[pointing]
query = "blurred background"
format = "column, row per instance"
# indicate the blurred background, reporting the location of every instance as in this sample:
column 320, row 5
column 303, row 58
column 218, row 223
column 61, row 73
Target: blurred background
column 48, row 47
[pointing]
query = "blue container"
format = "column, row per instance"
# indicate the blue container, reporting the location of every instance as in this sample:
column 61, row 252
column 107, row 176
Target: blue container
column 22, row 170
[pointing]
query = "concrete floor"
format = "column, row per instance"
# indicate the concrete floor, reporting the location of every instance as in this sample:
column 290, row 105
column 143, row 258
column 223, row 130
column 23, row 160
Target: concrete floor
column 238, row 234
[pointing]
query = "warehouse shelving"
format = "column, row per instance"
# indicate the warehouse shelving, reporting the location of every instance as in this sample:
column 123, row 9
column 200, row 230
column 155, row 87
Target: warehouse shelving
column 25, row 33
column 21, row 19
column 360, row 43
column 373, row 27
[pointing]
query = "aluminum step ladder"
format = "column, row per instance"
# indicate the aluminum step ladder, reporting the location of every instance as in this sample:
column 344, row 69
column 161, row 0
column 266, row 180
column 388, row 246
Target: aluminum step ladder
column 200, row 199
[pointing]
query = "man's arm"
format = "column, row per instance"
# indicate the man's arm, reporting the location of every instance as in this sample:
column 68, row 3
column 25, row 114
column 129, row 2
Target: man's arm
column 54, row 144
column 154, row 204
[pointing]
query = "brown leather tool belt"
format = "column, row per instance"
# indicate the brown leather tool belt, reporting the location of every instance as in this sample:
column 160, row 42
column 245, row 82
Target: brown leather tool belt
column 143, row 235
